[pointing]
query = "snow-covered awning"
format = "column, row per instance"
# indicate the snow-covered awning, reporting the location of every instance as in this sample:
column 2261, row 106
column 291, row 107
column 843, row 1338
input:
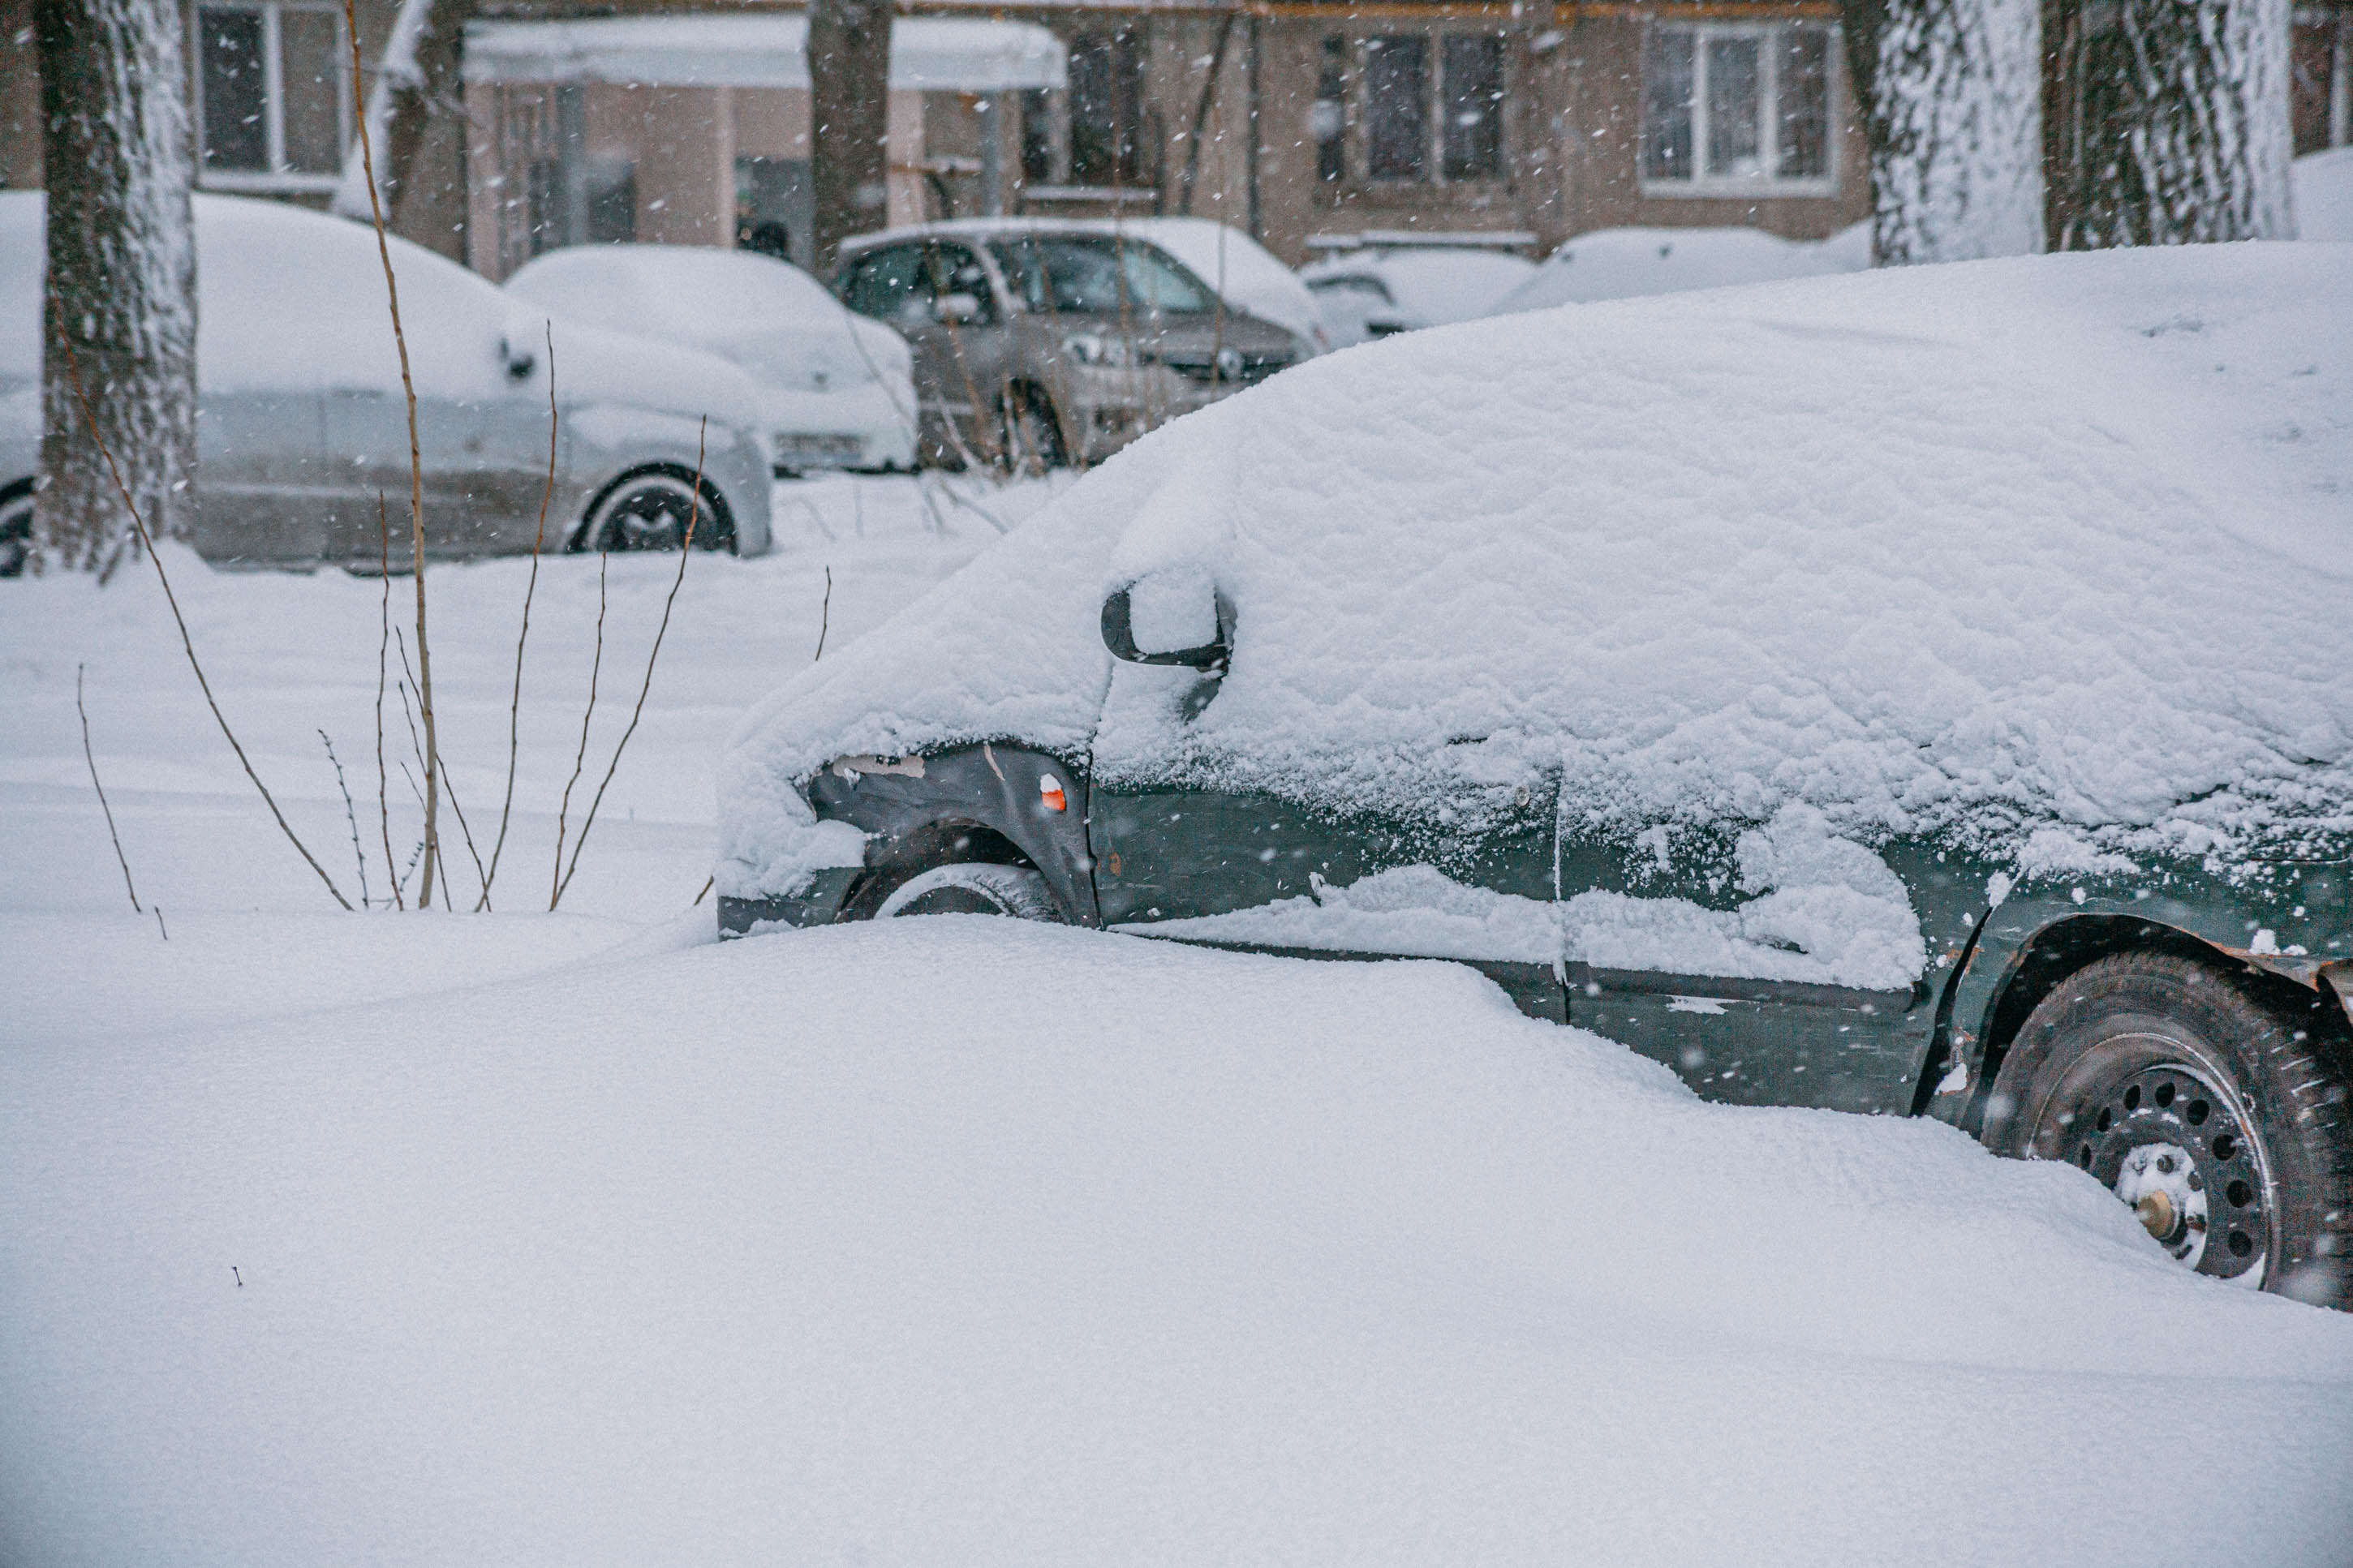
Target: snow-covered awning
column 951, row 54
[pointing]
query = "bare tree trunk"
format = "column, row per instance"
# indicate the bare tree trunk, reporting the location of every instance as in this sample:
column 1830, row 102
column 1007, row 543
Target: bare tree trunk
column 417, row 89
column 2168, row 122
column 121, row 282
column 849, row 73
column 1957, row 130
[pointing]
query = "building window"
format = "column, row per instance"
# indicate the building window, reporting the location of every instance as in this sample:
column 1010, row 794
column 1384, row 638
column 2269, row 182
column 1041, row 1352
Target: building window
column 1328, row 121
column 1396, row 108
column 275, row 85
column 1107, row 77
column 1037, row 136
column 1472, row 137
column 1734, row 107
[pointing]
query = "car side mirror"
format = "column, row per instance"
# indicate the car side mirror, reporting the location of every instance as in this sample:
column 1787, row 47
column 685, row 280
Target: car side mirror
column 519, row 348
column 1119, row 635
column 956, row 309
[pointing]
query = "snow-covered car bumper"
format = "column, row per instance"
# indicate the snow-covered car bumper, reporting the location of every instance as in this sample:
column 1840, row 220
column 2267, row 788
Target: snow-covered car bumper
column 820, row 904
column 865, row 428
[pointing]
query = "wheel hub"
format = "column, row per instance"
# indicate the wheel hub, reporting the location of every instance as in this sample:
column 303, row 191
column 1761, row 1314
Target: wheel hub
column 2176, row 1150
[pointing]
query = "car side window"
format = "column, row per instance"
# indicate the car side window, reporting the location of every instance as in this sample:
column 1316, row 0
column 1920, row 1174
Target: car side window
column 957, row 270
column 890, row 285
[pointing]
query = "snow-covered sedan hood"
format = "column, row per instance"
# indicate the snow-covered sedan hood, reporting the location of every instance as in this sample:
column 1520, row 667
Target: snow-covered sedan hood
column 1986, row 548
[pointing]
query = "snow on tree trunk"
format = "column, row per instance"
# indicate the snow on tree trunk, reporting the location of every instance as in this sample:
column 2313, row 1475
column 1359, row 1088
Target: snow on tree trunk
column 417, row 82
column 122, row 280
column 2168, row 122
column 849, row 76
column 1957, row 131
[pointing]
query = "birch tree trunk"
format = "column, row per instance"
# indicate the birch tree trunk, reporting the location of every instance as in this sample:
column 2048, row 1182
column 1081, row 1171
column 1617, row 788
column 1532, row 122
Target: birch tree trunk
column 850, row 159
column 121, row 280
column 2168, row 122
column 1956, row 131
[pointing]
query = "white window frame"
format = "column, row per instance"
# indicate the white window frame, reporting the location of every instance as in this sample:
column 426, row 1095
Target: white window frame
column 278, row 177
column 1768, row 96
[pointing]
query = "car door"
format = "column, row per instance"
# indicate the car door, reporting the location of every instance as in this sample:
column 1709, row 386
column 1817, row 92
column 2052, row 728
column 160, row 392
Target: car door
column 897, row 285
column 1782, row 962
column 1186, row 857
column 269, row 492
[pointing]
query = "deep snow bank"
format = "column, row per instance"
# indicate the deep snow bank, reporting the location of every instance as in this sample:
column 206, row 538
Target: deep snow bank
column 1978, row 547
column 965, row 1241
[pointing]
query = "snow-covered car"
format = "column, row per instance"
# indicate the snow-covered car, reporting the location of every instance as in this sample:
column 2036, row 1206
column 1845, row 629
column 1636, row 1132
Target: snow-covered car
column 1626, row 263
column 841, row 388
column 1922, row 692
column 1040, row 341
column 301, row 425
column 1378, row 290
column 1246, row 274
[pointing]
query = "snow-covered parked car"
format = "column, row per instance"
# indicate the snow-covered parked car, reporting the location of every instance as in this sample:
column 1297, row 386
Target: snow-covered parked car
column 841, row 388
column 1380, row 289
column 1626, row 263
column 1247, row 275
column 301, row 425
column 1924, row 692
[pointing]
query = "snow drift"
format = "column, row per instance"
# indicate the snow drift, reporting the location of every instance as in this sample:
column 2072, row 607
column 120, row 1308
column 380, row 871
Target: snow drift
column 1979, row 549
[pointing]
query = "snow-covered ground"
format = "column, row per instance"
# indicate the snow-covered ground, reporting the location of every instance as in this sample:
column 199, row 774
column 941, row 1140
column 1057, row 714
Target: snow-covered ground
column 576, row 1238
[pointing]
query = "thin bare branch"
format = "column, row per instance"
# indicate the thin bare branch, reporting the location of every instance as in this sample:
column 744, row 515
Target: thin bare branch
column 824, row 616
column 350, row 816
column 415, row 458
column 514, row 702
column 92, row 758
column 382, row 647
column 580, row 757
column 81, row 395
column 685, row 549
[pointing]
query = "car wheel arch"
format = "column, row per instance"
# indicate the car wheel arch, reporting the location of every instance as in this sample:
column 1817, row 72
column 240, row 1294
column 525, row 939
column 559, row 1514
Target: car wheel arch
column 576, row 537
column 1979, row 1029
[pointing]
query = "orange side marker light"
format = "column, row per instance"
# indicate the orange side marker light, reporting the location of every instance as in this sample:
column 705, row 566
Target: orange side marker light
column 1049, row 793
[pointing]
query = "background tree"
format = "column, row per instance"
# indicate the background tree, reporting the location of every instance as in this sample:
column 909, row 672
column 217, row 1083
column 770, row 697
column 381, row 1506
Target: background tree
column 1954, row 123
column 122, row 280
column 416, row 116
column 2167, row 121
column 849, row 76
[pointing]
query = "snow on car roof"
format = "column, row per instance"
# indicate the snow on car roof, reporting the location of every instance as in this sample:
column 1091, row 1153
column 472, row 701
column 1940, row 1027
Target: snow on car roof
column 1437, row 285
column 1624, row 263
column 1981, row 548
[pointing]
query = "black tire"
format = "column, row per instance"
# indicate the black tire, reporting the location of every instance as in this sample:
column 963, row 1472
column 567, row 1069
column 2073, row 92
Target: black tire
column 971, row 888
column 16, row 529
column 1029, row 434
column 2220, row 1116
column 651, row 510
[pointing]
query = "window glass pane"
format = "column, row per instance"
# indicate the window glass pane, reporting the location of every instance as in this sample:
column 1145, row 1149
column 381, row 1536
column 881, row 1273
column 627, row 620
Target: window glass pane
column 1667, row 81
column 1037, row 136
column 1734, row 142
column 613, row 204
column 1473, row 137
column 890, row 286
column 1396, row 104
column 1106, row 81
column 310, row 61
column 1159, row 284
column 236, row 137
column 957, row 270
column 1329, row 118
column 1805, row 153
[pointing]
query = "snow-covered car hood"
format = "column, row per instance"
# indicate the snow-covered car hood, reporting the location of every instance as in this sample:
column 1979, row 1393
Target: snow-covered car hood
column 2054, row 542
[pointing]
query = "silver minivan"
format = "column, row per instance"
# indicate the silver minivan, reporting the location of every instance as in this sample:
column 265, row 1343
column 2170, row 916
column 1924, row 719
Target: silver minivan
column 1041, row 342
column 301, row 425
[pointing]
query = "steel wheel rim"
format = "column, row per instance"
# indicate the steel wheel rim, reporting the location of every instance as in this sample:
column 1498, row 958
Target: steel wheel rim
column 2178, row 1145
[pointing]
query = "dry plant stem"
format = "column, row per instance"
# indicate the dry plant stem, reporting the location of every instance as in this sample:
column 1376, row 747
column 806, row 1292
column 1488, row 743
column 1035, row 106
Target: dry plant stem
column 351, row 815
column 514, row 702
column 416, row 458
column 824, row 616
column 685, row 549
column 81, row 395
column 449, row 789
column 580, row 757
column 92, row 758
column 382, row 647
column 706, row 890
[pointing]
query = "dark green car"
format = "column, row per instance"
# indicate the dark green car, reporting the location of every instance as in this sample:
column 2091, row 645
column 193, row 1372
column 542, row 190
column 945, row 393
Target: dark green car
column 1994, row 795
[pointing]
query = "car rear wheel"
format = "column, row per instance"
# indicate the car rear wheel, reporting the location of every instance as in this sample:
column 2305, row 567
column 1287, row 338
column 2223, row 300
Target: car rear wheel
column 2221, row 1120
column 1029, row 437
column 971, row 890
column 653, row 510
column 16, row 530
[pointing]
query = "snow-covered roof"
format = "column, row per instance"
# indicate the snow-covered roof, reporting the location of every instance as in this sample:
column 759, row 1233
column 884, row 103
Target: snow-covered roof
column 952, row 54
column 2055, row 542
